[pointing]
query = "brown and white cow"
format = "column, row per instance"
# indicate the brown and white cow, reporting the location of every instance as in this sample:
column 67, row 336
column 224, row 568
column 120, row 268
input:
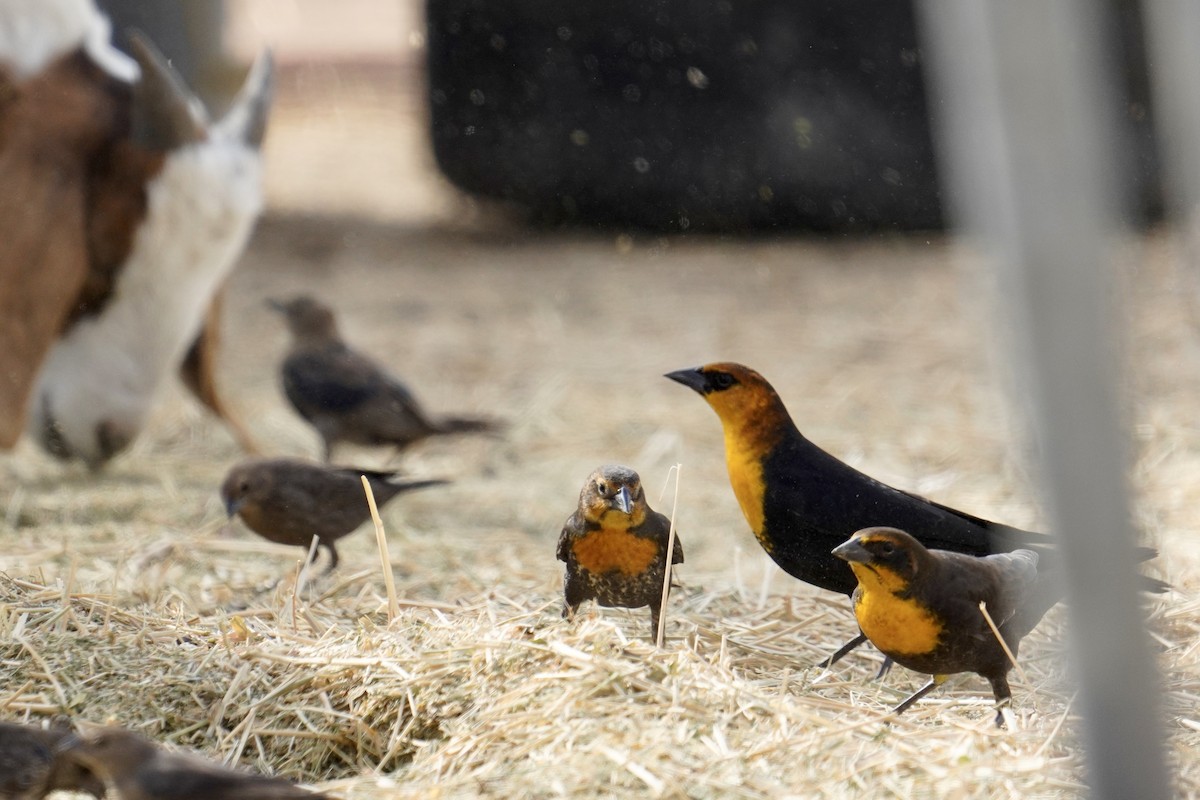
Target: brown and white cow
column 122, row 210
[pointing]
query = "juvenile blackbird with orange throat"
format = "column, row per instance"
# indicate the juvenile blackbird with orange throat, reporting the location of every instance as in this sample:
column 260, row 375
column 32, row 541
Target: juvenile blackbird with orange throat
column 615, row 546
column 138, row 769
column 30, row 768
column 345, row 395
column 920, row 607
column 289, row 501
column 801, row 502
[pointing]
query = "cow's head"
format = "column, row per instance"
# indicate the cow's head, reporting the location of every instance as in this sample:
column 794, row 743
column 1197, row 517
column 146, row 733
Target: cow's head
column 146, row 209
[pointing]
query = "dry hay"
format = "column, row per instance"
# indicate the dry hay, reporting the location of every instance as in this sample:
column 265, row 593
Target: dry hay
column 126, row 596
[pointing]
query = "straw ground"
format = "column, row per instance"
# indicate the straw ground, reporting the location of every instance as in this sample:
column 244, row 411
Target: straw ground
column 127, row 596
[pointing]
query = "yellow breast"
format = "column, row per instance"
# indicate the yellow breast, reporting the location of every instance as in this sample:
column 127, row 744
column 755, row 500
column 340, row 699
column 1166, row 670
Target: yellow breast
column 615, row 549
column 894, row 624
column 746, row 477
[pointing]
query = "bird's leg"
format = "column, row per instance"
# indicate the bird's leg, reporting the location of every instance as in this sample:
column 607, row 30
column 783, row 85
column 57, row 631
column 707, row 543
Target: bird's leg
column 884, row 668
column 333, row 557
column 568, row 611
column 934, row 682
column 842, row 651
column 1003, row 697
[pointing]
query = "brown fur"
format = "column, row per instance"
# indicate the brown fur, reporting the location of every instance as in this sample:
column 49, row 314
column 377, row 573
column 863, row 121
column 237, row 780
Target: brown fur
column 71, row 196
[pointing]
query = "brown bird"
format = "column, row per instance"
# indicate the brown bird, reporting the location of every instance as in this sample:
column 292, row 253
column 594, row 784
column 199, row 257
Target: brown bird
column 138, row 769
column 289, row 501
column 920, row 607
column 615, row 546
column 346, row 396
column 30, row 768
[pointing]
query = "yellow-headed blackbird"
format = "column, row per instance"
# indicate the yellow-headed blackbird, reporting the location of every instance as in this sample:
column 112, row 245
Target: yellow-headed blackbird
column 289, row 501
column 30, row 768
column 921, row 607
column 346, row 396
column 615, row 546
column 801, row 502
column 137, row 769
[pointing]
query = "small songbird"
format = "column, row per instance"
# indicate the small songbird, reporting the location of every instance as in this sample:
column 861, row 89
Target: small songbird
column 615, row 546
column 920, row 607
column 289, row 501
column 346, row 396
column 138, row 769
column 30, row 768
column 801, row 502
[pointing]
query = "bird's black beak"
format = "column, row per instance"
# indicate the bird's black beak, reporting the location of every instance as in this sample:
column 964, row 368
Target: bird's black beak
column 276, row 305
column 852, row 551
column 623, row 500
column 694, row 379
column 231, row 506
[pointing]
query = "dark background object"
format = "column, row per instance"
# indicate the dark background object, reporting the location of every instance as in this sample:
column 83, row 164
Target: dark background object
column 679, row 114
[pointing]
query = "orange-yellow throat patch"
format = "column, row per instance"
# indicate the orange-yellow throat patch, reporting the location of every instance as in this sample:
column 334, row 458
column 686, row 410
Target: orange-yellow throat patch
column 896, row 625
column 608, row 549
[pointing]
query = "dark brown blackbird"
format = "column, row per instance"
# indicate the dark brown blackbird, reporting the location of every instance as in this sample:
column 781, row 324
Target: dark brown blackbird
column 346, row 396
column 289, row 501
column 920, row 607
column 30, row 768
column 801, row 502
column 615, row 546
column 137, row 769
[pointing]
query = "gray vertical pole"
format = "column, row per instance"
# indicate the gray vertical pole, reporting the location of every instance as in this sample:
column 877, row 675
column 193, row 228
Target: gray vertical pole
column 1173, row 48
column 1024, row 135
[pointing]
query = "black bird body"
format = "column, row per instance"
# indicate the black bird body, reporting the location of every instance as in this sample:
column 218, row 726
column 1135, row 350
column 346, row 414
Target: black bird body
column 614, row 546
column 921, row 607
column 348, row 397
column 814, row 501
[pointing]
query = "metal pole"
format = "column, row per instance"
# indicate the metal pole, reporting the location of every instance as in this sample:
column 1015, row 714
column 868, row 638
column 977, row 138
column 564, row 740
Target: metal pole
column 1026, row 145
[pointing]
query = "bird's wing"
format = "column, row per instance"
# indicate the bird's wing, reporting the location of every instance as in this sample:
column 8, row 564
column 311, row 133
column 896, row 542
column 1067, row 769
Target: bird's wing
column 333, row 379
column 826, row 488
column 1016, row 574
column 571, row 528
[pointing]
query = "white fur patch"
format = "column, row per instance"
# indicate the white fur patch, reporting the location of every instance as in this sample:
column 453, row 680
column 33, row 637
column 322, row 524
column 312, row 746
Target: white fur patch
column 107, row 368
column 35, row 32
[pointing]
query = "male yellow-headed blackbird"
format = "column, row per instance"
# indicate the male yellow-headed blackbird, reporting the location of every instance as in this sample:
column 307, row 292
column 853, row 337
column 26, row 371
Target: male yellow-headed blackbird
column 801, row 502
column 615, row 546
column 921, row 607
column 137, row 769
column 30, row 768
column 289, row 501
column 346, row 396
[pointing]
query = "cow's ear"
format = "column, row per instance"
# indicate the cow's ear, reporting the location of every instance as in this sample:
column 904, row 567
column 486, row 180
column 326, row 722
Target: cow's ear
column 246, row 120
column 166, row 115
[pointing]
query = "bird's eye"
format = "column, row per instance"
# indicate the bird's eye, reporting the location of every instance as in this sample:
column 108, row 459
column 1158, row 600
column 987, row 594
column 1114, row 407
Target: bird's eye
column 601, row 487
column 245, row 486
column 886, row 549
column 721, row 380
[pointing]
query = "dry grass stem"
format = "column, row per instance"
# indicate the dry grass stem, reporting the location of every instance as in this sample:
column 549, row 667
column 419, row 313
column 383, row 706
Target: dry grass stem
column 1003, row 644
column 660, row 634
column 385, row 559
